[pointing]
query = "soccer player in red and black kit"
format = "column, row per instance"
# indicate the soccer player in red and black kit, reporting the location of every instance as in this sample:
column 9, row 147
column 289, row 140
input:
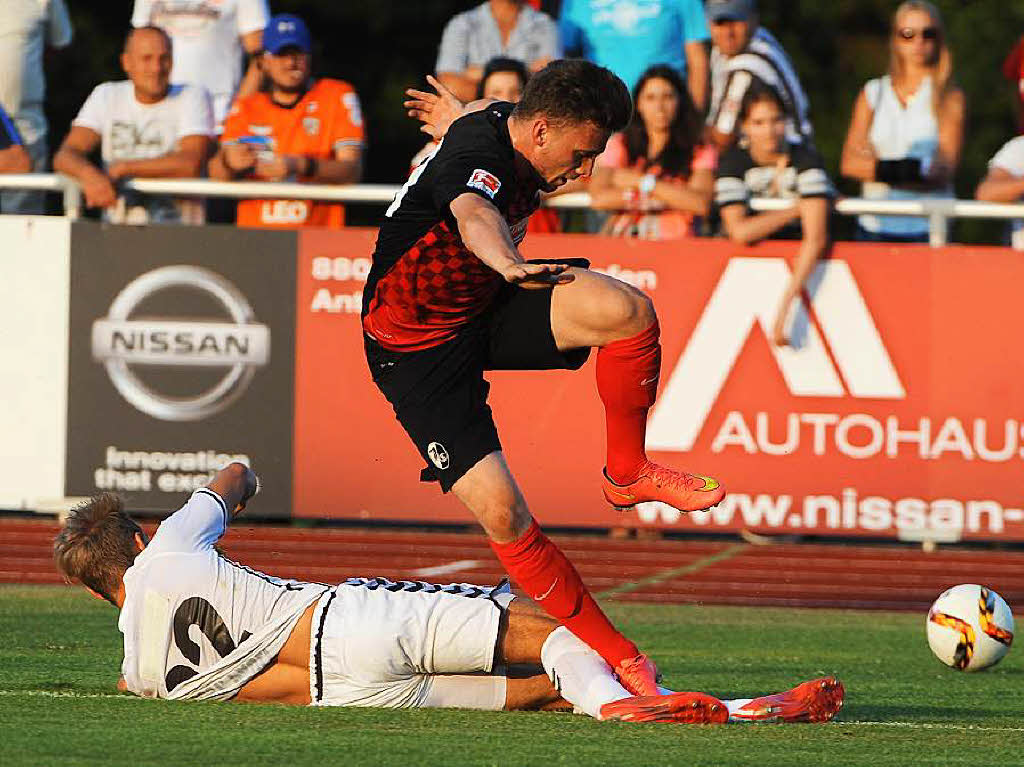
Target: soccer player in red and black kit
column 449, row 297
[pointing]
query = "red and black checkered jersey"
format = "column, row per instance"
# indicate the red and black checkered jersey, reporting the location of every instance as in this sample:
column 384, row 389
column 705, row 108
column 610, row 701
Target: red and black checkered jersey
column 425, row 283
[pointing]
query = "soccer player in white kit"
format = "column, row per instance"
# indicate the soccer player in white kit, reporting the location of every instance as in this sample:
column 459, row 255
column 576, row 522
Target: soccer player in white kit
column 364, row 642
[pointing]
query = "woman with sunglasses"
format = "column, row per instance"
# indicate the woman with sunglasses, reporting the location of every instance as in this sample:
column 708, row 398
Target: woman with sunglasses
column 907, row 129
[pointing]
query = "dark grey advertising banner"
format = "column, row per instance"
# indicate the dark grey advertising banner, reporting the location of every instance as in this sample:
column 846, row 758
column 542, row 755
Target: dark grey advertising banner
column 181, row 359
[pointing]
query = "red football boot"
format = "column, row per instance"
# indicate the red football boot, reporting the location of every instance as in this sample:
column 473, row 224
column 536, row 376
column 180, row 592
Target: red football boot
column 686, row 492
column 639, row 675
column 682, row 707
column 816, row 701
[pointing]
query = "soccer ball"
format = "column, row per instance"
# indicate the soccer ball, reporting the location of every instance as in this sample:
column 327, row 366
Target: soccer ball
column 970, row 627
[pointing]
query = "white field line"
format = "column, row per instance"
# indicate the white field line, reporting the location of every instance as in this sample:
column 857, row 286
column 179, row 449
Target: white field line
column 450, row 567
column 929, row 726
column 64, row 694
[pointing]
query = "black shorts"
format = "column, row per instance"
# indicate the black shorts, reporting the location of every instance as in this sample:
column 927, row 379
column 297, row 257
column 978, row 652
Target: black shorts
column 440, row 394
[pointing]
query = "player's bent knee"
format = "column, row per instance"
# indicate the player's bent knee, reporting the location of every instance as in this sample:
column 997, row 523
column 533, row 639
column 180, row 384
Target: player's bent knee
column 504, row 523
column 628, row 310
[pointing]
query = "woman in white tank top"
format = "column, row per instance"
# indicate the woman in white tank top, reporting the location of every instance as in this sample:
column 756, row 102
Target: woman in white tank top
column 907, row 129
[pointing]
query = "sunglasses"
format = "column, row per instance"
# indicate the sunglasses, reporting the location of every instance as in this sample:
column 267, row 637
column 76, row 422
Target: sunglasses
column 928, row 33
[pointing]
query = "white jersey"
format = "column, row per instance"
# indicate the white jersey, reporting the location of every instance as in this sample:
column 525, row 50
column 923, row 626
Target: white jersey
column 131, row 130
column 197, row 625
column 205, row 35
column 1010, row 158
column 26, row 28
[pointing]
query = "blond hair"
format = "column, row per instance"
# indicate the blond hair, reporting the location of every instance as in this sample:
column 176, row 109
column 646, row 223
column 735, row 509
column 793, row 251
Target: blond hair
column 940, row 67
column 97, row 544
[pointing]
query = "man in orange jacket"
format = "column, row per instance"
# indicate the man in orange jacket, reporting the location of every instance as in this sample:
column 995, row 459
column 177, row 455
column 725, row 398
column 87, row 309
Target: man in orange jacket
column 294, row 129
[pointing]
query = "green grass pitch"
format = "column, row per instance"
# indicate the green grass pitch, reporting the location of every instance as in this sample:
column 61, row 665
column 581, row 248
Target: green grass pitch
column 60, row 653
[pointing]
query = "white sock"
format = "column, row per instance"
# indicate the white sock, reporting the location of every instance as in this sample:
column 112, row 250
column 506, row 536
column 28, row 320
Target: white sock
column 734, row 705
column 731, row 705
column 581, row 675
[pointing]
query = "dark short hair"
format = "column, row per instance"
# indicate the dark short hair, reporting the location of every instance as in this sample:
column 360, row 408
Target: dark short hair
column 502, row 64
column 576, row 91
column 756, row 93
column 97, row 544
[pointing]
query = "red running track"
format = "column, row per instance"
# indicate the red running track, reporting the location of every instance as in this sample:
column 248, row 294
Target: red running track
column 889, row 577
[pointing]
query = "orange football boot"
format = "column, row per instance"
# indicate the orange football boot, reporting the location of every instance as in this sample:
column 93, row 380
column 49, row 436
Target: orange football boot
column 639, row 675
column 816, row 701
column 682, row 707
column 686, row 492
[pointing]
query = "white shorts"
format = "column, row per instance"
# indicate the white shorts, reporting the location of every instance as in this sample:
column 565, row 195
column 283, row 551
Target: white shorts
column 407, row 644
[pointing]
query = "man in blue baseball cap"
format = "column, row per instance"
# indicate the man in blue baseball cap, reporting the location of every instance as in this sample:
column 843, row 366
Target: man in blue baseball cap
column 286, row 31
column 295, row 129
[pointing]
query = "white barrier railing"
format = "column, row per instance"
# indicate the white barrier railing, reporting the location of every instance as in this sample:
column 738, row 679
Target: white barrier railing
column 938, row 212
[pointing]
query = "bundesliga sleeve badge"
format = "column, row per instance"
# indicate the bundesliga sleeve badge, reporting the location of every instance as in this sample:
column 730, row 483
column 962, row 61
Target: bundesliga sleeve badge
column 485, row 181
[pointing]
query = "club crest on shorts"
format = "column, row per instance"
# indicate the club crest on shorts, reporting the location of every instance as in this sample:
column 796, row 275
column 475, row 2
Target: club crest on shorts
column 438, row 455
column 485, row 181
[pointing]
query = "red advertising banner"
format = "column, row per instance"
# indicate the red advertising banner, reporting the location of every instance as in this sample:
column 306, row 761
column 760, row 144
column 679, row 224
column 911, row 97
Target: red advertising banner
column 896, row 412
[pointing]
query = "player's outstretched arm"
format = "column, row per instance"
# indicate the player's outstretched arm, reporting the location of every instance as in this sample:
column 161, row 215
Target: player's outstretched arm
column 437, row 111
column 486, row 234
column 236, row 483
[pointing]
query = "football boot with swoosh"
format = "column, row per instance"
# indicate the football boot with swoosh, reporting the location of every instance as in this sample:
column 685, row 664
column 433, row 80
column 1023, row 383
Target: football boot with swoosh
column 681, row 707
column 676, row 488
column 815, row 701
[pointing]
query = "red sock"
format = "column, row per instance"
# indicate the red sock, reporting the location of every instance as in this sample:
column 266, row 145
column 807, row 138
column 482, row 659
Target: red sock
column 627, row 381
column 549, row 579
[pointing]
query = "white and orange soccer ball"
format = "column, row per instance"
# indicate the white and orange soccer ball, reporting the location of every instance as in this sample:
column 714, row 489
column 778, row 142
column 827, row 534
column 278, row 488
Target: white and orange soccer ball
column 970, row 627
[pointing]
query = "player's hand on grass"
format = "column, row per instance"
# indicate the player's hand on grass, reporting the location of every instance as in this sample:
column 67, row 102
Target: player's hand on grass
column 537, row 275
column 437, row 111
column 99, row 190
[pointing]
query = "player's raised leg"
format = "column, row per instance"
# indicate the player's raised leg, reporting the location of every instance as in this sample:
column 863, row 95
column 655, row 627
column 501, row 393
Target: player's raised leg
column 595, row 310
column 543, row 571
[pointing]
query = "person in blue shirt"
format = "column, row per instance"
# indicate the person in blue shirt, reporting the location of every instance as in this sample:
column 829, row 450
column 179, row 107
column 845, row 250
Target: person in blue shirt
column 13, row 155
column 628, row 36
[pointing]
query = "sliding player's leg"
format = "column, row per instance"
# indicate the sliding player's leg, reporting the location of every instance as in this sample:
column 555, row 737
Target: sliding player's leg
column 543, row 571
column 585, row 680
column 595, row 310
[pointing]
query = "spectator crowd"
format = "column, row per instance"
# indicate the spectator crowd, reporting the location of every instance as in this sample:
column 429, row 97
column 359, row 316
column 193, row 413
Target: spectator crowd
column 223, row 90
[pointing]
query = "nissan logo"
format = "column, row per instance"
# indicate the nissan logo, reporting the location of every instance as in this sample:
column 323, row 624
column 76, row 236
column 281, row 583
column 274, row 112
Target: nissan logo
column 239, row 345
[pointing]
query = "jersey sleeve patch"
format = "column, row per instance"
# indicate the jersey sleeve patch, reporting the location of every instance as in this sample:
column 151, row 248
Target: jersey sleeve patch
column 485, row 181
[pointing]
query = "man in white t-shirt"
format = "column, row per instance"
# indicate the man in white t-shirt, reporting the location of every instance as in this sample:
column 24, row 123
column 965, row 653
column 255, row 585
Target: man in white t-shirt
column 1005, row 183
column 210, row 38
column 27, row 27
column 364, row 642
column 145, row 128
